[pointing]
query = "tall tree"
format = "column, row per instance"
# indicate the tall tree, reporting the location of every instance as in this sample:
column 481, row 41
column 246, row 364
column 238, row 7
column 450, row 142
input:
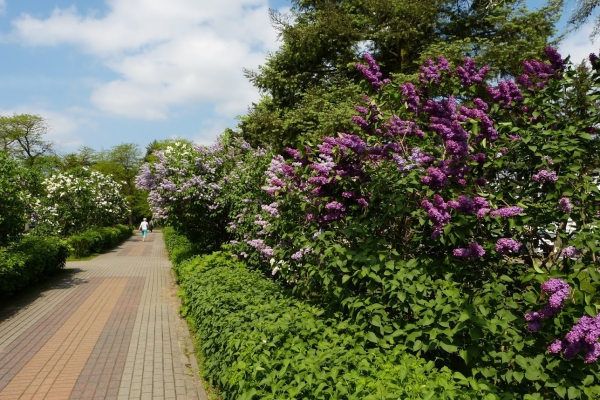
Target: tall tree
column 322, row 40
column 22, row 136
column 122, row 162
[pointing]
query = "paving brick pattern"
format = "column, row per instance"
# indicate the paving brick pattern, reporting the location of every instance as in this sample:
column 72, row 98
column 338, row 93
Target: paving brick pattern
column 106, row 329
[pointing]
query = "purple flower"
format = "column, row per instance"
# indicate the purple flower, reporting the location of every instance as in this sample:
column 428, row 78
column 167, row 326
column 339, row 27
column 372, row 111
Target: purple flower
column 565, row 205
column 469, row 75
column 506, row 212
column 570, row 252
column 556, row 346
column 544, row 176
column 507, row 246
column 362, row 202
column 593, row 59
column 293, row 152
column 334, row 205
column 505, row 93
column 534, row 320
column 435, row 178
column 472, row 252
column 371, row 73
column 411, row 96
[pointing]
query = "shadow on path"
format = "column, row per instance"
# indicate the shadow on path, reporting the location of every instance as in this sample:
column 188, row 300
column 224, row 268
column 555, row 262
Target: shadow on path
column 63, row 279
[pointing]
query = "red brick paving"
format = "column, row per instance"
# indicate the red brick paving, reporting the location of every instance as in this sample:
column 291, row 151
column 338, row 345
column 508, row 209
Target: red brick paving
column 109, row 331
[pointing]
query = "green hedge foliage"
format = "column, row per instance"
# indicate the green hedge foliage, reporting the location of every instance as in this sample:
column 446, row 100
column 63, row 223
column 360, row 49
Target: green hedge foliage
column 257, row 342
column 96, row 240
column 30, row 260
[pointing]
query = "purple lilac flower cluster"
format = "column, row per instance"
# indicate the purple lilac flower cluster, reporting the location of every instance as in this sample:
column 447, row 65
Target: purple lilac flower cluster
column 397, row 127
column 474, row 251
column 559, row 291
column 564, row 205
column 431, row 72
column 507, row 246
column 260, row 245
column 541, row 71
column 505, row 93
column 487, row 130
column 506, row 212
column 411, row 97
column 544, row 176
column 570, row 252
column 582, row 337
column 372, row 73
column 469, row 75
column 301, row 253
column 437, row 213
column 469, row 206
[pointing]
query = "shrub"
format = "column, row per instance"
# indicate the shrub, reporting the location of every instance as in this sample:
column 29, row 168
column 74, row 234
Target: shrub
column 30, row 260
column 259, row 343
column 96, row 240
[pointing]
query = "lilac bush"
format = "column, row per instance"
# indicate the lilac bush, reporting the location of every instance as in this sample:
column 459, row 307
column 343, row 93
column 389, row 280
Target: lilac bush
column 432, row 227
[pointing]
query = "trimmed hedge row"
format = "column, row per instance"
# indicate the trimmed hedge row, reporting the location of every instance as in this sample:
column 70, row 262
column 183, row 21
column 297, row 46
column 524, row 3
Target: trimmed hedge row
column 257, row 342
column 96, row 240
column 30, row 260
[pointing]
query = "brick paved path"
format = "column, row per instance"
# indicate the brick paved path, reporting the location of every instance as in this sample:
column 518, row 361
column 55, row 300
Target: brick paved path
column 106, row 328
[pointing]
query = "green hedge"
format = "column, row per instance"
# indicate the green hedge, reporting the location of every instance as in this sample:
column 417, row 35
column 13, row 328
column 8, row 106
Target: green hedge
column 96, row 240
column 30, row 260
column 257, row 342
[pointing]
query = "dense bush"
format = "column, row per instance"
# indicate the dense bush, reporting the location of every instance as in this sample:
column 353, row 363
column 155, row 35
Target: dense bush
column 257, row 342
column 96, row 240
column 30, row 260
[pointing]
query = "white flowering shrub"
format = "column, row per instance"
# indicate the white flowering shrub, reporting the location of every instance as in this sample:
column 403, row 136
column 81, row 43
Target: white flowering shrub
column 78, row 200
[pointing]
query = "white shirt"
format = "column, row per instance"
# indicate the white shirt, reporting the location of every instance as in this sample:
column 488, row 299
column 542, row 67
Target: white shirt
column 144, row 225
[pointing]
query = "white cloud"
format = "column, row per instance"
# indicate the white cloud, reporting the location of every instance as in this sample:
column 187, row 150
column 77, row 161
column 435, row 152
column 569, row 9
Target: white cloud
column 62, row 128
column 579, row 45
column 167, row 54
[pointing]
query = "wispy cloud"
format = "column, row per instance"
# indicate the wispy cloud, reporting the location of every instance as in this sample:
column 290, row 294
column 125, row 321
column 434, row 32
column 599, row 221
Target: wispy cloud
column 167, row 54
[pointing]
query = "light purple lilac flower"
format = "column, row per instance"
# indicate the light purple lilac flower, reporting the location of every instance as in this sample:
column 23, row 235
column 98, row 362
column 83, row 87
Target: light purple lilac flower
column 559, row 291
column 544, row 176
column 582, row 337
column 372, row 73
column 570, row 252
column 507, row 246
column 474, row 251
column 506, row 212
column 564, row 205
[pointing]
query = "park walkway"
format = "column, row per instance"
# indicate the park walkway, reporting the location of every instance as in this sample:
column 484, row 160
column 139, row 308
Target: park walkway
column 107, row 328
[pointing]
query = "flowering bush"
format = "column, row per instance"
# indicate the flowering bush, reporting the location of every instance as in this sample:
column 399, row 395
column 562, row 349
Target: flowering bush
column 78, row 200
column 203, row 191
column 442, row 227
column 431, row 227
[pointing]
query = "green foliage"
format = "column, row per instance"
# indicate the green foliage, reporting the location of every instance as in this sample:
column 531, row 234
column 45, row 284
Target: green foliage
column 258, row 342
column 22, row 136
column 386, row 268
column 12, row 200
column 98, row 239
column 312, row 75
column 30, row 260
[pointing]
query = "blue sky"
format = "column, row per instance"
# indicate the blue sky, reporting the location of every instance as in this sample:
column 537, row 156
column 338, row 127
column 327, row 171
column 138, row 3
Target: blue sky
column 106, row 72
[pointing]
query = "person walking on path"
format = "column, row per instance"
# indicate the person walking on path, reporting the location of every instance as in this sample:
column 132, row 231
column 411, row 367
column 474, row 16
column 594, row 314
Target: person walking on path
column 150, row 225
column 144, row 229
